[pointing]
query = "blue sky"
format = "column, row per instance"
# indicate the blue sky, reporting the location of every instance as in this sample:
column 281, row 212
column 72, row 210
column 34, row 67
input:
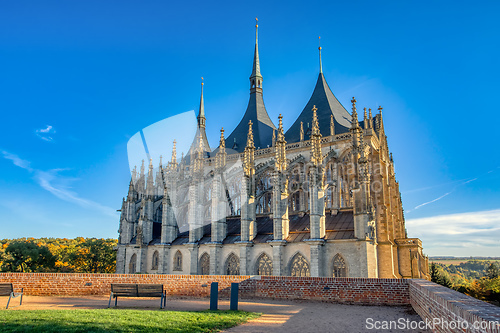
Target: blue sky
column 78, row 79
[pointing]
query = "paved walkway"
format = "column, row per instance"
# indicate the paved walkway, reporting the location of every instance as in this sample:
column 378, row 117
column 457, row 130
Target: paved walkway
column 278, row 316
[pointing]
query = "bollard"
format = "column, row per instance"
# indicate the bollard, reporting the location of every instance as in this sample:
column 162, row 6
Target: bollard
column 233, row 304
column 214, row 296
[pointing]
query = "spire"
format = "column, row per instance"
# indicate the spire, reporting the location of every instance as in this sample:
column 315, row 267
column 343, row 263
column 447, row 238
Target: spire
column 249, row 156
column 256, row 77
column 256, row 112
column 280, row 162
column 316, row 156
column 354, row 121
column 150, row 182
column 320, row 64
column 250, row 142
column 222, row 142
column 332, row 125
column 220, row 157
column 365, row 119
column 201, row 113
column 134, row 174
column 161, row 157
column 274, row 138
column 173, row 162
column 370, row 118
column 301, row 131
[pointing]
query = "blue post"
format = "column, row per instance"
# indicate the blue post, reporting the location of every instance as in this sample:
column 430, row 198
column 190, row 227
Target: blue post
column 214, row 296
column 233, row 304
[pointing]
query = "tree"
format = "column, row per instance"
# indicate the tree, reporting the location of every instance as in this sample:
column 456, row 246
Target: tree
column 28, row 257
column 493, row 271
column 95, row 256
column 434, row 273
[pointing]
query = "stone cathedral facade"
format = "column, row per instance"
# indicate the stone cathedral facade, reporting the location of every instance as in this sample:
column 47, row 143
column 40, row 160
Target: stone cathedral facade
column 319, row 199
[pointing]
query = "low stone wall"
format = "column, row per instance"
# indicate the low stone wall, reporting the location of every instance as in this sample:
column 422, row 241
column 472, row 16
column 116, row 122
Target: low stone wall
column 340, row 290
column 446, row 310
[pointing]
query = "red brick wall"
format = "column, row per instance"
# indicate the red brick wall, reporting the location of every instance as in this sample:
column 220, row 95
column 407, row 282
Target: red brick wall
column 339, row 290
column 447, row 310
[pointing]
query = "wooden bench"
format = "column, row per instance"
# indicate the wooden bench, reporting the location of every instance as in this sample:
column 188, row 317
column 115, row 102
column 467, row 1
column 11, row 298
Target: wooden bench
column 7, row 289
column 137, row 290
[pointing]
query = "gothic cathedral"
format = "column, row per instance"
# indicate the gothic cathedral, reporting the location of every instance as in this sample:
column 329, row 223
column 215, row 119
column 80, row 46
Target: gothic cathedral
column 320, row 199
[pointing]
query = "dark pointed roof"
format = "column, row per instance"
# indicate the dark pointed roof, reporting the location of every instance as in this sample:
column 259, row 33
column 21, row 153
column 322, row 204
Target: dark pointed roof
column 262, row 126
column 327, row 104
column 256, row 112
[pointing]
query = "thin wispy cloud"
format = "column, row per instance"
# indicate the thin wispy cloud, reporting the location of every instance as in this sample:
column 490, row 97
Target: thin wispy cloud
column 17, row 160
column 57, row 184
column 45, row 133
column 442, row 196
column 457, row 234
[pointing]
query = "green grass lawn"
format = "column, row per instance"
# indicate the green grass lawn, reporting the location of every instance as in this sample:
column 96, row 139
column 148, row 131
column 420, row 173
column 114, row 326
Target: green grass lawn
column 117, row 320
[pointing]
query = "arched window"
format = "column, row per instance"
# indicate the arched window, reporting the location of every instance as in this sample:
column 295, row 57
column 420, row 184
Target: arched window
column 339, row 266
column 154, row 262
column 299, row 266
column 232, row 266
column 264, row 265
column 132, row 266
column 178, row 261
column 204, row 268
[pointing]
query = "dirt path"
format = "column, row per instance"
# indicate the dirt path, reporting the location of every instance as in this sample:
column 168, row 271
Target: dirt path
column 278, row 316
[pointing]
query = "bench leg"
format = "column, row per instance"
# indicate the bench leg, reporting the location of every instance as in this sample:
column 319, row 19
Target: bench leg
column 9, row 301
column 164, row 300
column 116, row 300
column 109, row 303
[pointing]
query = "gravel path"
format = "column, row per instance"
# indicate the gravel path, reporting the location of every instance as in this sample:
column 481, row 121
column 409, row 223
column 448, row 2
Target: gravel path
column 278, row 316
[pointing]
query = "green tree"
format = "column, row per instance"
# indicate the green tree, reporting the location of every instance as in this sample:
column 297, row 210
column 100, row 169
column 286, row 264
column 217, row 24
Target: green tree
column 493, row 271
column 434, row 273
column 94, row 256
column 27, row 256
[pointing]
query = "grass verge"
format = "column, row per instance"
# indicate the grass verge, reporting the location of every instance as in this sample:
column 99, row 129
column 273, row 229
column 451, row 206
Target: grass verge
column 117, row 320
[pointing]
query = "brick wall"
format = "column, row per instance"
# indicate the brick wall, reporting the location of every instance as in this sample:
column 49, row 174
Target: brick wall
column 451, row 311
column 341, row 290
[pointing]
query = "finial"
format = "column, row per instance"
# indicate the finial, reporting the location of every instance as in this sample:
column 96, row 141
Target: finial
column 142, row 167
column 174, row 154
column 380, row 110
column 319, row 48
column 353, row 101
column 370, row 118
column 222, row 142
column 281, row 133
column 250, row 143
column 202, row 81
column 161, row 159
column 332, row 125
column 315, row 124
column 365, row 119
column 256, row 22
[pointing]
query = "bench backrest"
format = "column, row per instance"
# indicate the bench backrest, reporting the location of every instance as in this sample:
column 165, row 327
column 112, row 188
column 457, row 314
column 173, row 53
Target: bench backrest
column 6, row 289
column 137, row 290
